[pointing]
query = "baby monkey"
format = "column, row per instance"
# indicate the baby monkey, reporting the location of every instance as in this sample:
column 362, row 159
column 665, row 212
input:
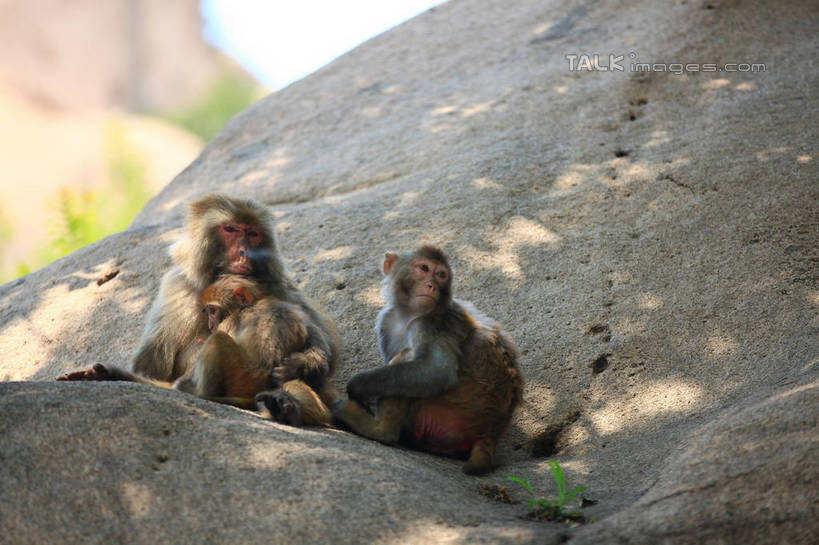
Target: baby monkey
column 253, row 340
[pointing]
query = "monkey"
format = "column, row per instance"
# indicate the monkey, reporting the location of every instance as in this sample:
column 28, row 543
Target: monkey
column 235, row 237
column 251, row 335
column 451, row 381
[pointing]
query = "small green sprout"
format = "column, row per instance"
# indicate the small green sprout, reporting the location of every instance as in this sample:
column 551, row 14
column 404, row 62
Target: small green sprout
column 553, row 509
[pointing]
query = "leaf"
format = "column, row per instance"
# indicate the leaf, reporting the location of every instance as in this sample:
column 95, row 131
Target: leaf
column 577, row 490
column 524, row 483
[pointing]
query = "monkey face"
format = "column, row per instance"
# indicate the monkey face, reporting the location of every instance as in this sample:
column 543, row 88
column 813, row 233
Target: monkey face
column 428, row 279
column 240, row 241
column 215, row 316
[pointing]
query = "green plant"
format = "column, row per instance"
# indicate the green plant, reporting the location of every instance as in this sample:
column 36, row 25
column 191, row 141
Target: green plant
column 226, row 97
column 553, row 508
column 85, row 216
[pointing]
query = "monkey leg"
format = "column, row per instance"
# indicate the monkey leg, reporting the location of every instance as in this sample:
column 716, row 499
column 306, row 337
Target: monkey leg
column 296, row 404
column 480, row 457
column 385, row 428
column 99, row 372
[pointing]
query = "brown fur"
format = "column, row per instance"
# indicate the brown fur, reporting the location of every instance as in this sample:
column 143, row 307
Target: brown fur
column 468, row 418
column 176, row 329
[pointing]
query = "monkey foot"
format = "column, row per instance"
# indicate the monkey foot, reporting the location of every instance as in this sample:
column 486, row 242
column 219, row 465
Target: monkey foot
column 479, row 462
column 97, row 372
column 280, row 406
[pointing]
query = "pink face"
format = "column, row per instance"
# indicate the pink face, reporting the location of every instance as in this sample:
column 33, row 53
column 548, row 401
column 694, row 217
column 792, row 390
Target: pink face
column 428, row 277
column 240, row 239
column 215, row 316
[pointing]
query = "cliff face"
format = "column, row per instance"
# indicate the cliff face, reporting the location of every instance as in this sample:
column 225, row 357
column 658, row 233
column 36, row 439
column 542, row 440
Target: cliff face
column 647, row 238
column 88, row 55
column 76, row 79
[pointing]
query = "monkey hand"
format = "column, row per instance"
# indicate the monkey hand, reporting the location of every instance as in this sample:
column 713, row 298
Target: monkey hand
column 280, row 406
column 285, row 371
column 310, row 366
column 358, row 390
column 97, row 372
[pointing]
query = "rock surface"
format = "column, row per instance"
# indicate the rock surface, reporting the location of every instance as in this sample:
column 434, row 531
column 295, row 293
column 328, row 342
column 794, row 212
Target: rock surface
column 648, row 239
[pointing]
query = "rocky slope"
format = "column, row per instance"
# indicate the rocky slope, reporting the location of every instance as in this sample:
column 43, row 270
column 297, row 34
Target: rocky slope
column 649, row 239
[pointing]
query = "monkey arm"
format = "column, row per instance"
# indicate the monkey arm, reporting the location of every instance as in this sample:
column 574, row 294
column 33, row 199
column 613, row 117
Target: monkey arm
column 172, row 324
column 433, row 371
column 312, row 365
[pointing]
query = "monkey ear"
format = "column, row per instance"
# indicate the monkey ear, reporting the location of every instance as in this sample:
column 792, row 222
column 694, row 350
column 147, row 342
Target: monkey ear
column 389, row 262
column 243, row 295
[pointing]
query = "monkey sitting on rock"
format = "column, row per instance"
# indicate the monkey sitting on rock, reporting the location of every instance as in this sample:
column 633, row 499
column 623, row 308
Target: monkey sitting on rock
column 451, row 383
column 234, row 238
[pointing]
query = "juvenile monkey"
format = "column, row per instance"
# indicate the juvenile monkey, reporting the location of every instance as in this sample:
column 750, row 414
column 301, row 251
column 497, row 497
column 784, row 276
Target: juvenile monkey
column 451, row 383
column 226, row 236
column 251, row 336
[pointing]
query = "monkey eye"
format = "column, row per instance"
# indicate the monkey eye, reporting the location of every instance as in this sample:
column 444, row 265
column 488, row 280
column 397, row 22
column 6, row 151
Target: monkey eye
column 442, row 275
column 424, row 267
column 252, row 233
column 230, row 228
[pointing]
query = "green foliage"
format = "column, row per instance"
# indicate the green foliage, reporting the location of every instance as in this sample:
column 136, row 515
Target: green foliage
column 557, row 508
column 226, row 97
column 85, row 216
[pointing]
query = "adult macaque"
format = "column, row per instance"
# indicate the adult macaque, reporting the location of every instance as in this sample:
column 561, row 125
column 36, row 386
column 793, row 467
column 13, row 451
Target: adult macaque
column 452, row 381
column 226, row 236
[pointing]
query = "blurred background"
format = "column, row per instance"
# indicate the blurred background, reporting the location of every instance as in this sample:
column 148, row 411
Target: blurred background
column 103, row 102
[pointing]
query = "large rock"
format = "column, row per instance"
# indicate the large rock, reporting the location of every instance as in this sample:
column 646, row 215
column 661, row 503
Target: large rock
column 648, row 239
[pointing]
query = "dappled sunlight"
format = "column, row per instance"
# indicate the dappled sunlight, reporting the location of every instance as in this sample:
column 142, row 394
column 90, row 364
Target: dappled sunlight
column 538, row 399
column 799, row 389
column 137, row 499
column 278, row 159
column 256, row 175
column 658, row 138
column 716, row 83
column 446, row 118
column 439, row 531
column 336, row 254
column 173, row 203
column 134, row 300
column 640, row 171
column 478, row 108
column 568, row 180
column 653, row 400
column 803, row 159
column 58, row 327
column 630, row 327
column 171, row 236
column 444, row 110
column 649, row 301
column 745, row 86
column 561, row 89
column 571, row 180
column 370, row 296
column 721, row 344
column 576, row 467
column 409, row 198
column 540, row 29
column 260, row 456
column 621, row 277
column 765, row 155
column 485, row 183
column 519, row 232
